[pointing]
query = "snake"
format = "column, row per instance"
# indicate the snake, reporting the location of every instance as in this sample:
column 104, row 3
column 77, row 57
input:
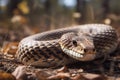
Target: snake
column 68, row 45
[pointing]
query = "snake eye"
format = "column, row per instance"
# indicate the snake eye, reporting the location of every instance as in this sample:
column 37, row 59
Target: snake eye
column 74, row 43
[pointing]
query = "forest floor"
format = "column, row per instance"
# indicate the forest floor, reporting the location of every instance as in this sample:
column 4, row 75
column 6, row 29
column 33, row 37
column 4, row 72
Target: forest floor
column 9, row 40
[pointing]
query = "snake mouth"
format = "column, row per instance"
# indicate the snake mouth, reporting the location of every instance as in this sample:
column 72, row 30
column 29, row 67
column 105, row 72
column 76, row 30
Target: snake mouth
column 73, row 54
column 81, row 56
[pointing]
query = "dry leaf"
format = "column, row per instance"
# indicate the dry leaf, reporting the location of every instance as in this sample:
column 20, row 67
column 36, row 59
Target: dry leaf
column 9, row 48
column 6, row 76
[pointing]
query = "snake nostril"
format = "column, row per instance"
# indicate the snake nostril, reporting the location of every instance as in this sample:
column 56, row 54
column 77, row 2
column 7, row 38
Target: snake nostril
column 74, row 43
column 85, row 50
column 94, row 49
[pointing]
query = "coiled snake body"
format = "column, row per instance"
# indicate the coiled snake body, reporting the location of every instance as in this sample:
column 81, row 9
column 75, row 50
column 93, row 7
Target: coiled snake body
column 66, row 45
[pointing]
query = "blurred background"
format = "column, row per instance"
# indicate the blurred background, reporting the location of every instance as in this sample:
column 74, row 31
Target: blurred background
column 20, row 18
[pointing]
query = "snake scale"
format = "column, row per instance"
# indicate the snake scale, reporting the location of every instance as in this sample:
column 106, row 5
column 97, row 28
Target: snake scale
column 67, row 45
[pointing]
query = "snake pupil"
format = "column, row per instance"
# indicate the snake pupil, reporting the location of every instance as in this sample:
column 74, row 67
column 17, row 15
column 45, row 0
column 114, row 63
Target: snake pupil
column 74, row 43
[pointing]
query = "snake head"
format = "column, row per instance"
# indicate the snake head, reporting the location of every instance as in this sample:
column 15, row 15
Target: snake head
column 78, row 46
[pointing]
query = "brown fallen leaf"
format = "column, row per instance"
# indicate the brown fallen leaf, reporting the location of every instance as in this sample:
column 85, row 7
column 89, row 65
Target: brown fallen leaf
column 42, row 75
column 63, row 69
column 91, row 76
column 21, row 73
column 6, row 76
column 9, row 48
column 60, row 76
column 79, row 77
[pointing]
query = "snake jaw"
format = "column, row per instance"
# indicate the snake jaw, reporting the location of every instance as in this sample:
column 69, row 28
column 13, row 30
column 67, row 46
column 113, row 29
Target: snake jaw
column 73, row 53
column 82, row 56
